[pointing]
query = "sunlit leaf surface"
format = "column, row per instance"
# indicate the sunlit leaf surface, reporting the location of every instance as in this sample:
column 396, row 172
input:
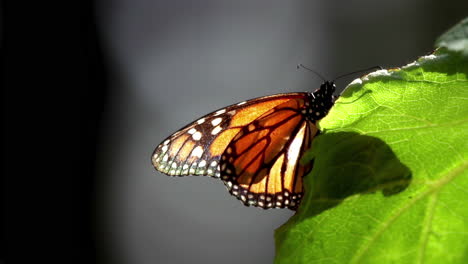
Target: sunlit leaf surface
column 390, row 182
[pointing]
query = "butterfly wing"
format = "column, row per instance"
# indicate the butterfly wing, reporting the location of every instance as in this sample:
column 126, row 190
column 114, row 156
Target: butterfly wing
column 261, row 163
column 196, row 149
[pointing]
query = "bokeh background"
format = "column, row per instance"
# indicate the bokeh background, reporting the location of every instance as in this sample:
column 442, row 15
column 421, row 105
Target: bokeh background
column 169, row 62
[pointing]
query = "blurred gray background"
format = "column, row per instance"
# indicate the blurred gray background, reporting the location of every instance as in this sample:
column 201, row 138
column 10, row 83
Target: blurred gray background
column 173, row 61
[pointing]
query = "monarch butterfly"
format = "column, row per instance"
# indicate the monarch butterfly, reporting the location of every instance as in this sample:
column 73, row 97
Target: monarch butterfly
column 254, row 146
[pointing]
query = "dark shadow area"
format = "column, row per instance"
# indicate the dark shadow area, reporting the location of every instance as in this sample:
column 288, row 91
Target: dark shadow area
column 95, row 104
column 55, row 81
column 346, row 164
column 351, row 87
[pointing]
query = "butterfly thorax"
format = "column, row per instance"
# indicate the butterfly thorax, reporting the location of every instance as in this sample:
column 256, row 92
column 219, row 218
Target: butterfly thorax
column 319, row 102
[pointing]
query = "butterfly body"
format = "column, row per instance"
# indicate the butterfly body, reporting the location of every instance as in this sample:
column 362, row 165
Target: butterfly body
column 254, row 146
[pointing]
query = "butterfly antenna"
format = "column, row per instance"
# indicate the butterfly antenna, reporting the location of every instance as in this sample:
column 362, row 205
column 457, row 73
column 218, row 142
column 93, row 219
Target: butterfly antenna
column 354, row 72
column 300, row 65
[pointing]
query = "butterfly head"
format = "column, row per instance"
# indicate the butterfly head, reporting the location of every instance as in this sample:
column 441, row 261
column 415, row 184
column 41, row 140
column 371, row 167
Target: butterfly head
column 321, row 101
column 326, row 90
column 328, row 87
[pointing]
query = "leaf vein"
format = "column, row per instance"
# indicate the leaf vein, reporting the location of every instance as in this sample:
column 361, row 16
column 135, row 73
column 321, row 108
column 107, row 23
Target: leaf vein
column 427, row 225
column 434, row 187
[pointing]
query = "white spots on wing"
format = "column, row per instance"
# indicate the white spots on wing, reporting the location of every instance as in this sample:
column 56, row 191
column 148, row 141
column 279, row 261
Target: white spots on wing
column 236, row 187
column 164, row 148
column 229, row 184
column 216, row 121
column 260, row 204
column 166, row 142
column 174, row 165
column 186, row 166
column 165, row 158
column 192, row 131
column 232, row 112
column 201, row 121
column 197, row 136
column 241, row 103
column 228, row 171
column 202, row 163
column 243, row 198
column 317, row 113
column 310, row 110
column 197, row 152
column 222, row 111
column 304, row 111
column 214, row 163
column 216, row 130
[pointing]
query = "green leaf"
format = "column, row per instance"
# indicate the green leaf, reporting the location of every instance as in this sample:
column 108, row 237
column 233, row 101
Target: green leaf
column 456, row 38
column 390, row 177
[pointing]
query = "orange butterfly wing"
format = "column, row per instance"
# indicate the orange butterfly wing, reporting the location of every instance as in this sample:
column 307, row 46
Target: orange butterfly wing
column 254, row 146
column 261, row 164
column 196, row 149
